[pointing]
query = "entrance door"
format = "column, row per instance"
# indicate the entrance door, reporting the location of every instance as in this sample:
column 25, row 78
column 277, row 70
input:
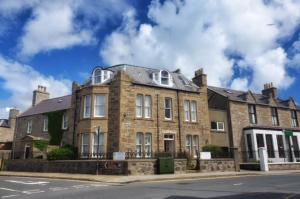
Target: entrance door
column 296, row 146
column 169, row 143
column 27, row 152
column 289, row 146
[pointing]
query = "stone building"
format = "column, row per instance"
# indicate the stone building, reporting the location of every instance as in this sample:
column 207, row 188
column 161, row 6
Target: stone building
column 7, row 128
column 32, row 124
column 256, row 120
column 124, row 108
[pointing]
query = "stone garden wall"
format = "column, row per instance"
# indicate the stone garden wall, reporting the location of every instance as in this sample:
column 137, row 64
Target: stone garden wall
column 217, row 165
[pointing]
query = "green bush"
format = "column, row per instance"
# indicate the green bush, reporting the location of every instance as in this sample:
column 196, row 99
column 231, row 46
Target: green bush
column 213, row 149
column 61, row 154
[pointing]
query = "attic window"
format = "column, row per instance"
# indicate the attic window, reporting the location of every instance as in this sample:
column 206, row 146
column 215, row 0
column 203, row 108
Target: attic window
column 99, row 76
column 165, row 77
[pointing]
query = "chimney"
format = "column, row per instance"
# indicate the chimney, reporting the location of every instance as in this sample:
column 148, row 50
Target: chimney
column 270, row 90
column 200, row 78
column 13, row 113
column 39, row 95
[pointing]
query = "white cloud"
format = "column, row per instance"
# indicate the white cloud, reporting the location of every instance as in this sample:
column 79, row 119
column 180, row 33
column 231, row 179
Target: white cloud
column 20, row 80
column 198, row 33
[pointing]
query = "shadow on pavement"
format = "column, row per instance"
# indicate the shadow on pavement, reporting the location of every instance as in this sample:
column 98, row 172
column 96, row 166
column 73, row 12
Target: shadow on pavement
column 246, row 196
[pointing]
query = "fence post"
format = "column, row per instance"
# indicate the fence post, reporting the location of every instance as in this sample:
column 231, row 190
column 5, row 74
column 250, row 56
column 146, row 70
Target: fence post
column 263, row 156
column 236, row 158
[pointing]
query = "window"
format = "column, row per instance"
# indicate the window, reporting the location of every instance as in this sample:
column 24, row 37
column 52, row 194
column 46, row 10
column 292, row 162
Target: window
column 296, row 146
column 249, row 145
column 85, row 141
column 139, row 145
column 164, row 77
column 252, row 114
column 194, row 111
column 29, row 127
column 98, row 147
column 65, row 121
column 274, row 114
column 270, row 146
column 217, row 126
column 99, row 105
column 87, row 106
column 168, row 108
column 45, row 124
column 294, row 118
column 148, row 144
column 192, row 144
column 280, row 146
column 148, row 104
column 260, row 140
column 187, row 110
column 97, row 76
column 139, row 106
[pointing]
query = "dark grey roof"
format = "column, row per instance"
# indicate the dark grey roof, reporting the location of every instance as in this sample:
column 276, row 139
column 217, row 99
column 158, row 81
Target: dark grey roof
column 4, row 123
column 143, row 75
column 49, row 105
column 236, row 95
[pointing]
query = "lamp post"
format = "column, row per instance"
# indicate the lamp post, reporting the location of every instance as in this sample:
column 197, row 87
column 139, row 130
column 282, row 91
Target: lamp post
column 98, row 130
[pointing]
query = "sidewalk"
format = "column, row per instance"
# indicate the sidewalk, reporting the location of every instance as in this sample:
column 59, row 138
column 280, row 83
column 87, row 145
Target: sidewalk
column 145, row 178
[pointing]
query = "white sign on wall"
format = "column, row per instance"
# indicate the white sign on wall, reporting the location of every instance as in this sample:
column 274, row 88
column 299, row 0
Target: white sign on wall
column 119, row 156
column 205, row 155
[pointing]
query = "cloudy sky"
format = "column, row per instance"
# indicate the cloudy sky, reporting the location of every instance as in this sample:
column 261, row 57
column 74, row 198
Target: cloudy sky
column 240, row 44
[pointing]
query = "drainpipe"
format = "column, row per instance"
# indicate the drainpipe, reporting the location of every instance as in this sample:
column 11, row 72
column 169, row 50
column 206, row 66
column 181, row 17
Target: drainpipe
column 179, row 121
column 74, row 120
column 157, row 120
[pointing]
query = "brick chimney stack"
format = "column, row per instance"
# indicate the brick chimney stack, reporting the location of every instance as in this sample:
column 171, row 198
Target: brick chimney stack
column 13, row 113
column 270, row 90
column 39, row 95
column 200, row 78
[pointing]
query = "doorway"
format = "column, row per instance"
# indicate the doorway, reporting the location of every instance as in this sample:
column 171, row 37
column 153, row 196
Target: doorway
column 169, row 143
column 27, row 152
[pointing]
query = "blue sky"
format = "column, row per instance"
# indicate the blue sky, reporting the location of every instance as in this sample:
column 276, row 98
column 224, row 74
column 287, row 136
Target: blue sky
column 240, row 44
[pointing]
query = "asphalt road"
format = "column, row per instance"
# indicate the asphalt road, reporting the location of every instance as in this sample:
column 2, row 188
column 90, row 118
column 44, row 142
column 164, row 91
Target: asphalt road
column 258, row 187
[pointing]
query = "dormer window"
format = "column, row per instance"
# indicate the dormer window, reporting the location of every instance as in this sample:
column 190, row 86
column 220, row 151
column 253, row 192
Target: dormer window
column 163, row 78
column 100, row 76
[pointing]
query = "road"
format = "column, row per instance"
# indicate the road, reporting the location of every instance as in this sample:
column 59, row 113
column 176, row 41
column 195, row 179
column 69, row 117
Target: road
column 258, row 187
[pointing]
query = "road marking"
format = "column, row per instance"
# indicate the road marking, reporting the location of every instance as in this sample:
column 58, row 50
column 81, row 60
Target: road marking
column 238, row 184
column 6, row 189
column 9, row 196
column 33, row 191
column 98, row 185
column 28, row 182
column 80, row 186
column 58, row 188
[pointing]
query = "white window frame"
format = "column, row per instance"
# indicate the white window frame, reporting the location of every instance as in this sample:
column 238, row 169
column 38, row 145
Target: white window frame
column 65, row 121
column 187, row 114
column 139, row 107
column 195, row 141
column 219, row 129
column 139, row 144
column 100, row 106
column 95, row 144
column 147, row 106
column 148, row 145
column 102, row 77
column 83, row 145
column 193, row 106
column 169, row 108
column 188, row 143
column 294, row 118
column 87, row 106
column 157, row 78
column 45, row 124
column 29, row 127
column 98, row 77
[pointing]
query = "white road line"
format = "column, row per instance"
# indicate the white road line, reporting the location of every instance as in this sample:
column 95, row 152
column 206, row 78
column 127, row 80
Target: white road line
column 6, row 189
column 80, row 186
column 9, row 196
column 28, row 182
column 238, row 184
column 33, row 191
column 98, row 185
column 58, row 188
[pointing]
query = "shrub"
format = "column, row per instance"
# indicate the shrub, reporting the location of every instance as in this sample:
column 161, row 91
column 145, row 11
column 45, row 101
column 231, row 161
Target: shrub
column 61, row 154
column 213, row 149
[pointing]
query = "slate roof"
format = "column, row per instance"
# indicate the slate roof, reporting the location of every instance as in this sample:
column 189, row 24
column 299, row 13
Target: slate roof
column 4, row 123
column 49, row 105
column 143, row 76
column 236, row 95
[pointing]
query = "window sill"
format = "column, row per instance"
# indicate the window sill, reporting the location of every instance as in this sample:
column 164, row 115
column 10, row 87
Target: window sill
column 216, row 131
column 189, row 122
column 145, row 119
column 169, row 120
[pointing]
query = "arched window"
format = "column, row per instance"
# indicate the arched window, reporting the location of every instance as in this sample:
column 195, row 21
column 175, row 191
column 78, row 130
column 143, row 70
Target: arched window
column 97, row 76
column 165, row 77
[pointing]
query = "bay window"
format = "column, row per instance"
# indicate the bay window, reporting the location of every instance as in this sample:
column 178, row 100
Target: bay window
column 85, row 144
column 100, row 105
column 147, row 108
column 87, row 106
